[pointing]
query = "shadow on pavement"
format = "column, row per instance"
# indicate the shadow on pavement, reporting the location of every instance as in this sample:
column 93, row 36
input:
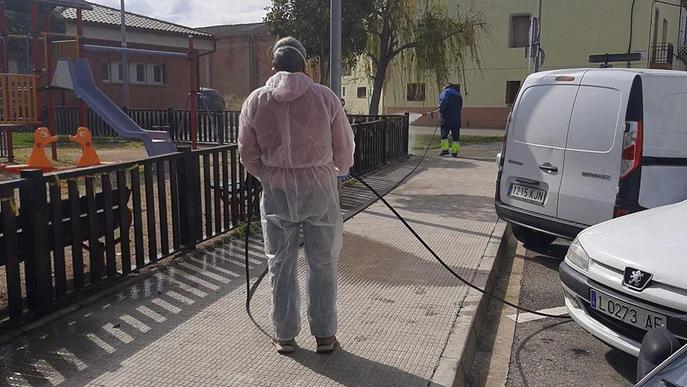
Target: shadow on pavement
column 98, row 339
column 394, row 267
column 349, row 369
column 473, row 207
column 623, row 364
column 555, row 250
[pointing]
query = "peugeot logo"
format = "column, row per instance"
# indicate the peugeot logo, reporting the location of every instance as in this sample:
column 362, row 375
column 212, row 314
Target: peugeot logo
column 636, row 279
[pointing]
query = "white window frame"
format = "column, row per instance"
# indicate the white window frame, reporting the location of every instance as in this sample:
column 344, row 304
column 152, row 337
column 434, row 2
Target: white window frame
column 151, row 74
column 133, row 73
column 107, row 78
column 115, row 69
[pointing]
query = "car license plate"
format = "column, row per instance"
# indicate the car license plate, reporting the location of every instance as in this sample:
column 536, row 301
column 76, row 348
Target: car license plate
column 627, row 313
column 527, row 194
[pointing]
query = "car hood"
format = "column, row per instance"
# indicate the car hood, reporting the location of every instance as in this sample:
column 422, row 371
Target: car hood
column 654, row 241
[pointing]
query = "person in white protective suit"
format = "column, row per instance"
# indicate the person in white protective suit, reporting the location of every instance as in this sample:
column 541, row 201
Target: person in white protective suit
column 295, row 138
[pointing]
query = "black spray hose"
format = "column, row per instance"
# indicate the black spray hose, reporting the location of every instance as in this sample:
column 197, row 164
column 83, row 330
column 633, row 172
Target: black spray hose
column 253, row 203
column 250, row 290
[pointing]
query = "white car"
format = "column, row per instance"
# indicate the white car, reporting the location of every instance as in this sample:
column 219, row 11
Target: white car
column 629, row 275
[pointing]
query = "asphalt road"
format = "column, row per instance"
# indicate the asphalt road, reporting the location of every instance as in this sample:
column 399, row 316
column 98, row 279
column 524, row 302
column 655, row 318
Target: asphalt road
column 543, row 352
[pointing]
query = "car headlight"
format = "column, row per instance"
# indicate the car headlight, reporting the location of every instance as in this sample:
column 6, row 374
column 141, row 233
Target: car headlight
column 578, row 256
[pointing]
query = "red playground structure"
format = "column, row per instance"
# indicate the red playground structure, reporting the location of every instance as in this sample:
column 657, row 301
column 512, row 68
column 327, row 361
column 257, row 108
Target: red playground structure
column 27, row 100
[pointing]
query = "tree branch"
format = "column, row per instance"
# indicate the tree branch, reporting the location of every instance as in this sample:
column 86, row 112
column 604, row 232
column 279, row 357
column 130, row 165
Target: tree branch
column 403, row 47
column 373, row 58
column 373, row 32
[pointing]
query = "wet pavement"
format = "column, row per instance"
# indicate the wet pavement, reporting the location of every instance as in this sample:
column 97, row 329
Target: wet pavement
column 186, row 323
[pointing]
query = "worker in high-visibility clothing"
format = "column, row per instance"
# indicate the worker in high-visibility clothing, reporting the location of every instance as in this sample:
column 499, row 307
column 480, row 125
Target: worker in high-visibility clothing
column 450, row 107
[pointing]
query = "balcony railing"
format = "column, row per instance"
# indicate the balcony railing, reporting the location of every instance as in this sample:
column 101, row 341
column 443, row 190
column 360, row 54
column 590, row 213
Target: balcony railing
column 662, row 56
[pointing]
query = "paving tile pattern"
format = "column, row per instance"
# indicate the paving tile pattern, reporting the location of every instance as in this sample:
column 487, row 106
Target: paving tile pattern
column 186, row 325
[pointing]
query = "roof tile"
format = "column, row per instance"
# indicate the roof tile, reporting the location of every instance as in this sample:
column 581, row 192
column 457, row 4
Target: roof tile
column 110, row 16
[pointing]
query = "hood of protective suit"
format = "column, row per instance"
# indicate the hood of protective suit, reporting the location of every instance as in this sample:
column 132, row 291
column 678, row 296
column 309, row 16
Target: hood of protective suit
column 287, row 87
column 293, row 124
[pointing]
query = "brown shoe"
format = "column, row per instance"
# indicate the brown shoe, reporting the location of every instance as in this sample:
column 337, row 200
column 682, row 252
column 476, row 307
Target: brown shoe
column 285, row 346
column 326, row 344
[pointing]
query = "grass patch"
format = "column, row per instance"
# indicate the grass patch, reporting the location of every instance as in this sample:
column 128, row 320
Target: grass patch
column 25, row 140
column 421, row 141
column 240, row 231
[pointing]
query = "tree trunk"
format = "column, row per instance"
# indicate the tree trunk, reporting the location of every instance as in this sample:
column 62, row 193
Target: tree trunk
column 377, row 87
column 324, row 72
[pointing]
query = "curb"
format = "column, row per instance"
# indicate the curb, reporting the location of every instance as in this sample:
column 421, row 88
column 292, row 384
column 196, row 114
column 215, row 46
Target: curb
column 456, row 360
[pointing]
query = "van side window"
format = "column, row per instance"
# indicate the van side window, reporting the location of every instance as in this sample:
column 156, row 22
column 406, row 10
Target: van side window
column 595, row 119
column 543, row 114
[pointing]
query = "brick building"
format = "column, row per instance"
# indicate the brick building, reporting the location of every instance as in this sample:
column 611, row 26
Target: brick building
column 242, row 61
column 156, row 82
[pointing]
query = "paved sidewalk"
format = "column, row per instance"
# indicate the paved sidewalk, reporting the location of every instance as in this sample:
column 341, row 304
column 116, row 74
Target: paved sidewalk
column 186, row 324
column 415, row 129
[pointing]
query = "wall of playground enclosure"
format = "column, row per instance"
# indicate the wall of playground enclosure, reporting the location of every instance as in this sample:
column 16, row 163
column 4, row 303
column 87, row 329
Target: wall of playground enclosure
column 86, row 229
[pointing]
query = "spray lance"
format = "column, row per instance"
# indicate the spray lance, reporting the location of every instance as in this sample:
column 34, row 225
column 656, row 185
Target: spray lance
column 253, row 193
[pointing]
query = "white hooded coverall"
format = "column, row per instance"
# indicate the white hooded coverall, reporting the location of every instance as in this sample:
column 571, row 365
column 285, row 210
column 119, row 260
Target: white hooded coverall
column 295, row 138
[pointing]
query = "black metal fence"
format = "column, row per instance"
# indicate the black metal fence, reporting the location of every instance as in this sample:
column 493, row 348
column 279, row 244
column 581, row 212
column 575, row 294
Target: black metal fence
column 216, row 127
column 378, row 142
column 6, row 143
column 67, row 233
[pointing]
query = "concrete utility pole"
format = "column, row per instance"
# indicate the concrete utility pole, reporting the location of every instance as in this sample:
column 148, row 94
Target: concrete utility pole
column 125, row 64
column 537, row 55
column 335, row 48
column 534, row 46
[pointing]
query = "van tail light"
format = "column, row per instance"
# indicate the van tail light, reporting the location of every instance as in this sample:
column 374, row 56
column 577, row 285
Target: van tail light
column 503, row 149
column 632, row 148
column 619, row 211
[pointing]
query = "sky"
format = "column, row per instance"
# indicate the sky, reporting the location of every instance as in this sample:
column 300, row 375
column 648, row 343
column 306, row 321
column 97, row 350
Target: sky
column 196, row 13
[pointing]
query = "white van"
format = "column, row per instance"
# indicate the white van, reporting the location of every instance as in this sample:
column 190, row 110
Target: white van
column 586, row 145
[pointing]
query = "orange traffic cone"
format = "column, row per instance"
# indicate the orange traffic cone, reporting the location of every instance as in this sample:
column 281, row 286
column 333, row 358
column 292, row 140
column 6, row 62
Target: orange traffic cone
column 89, row 157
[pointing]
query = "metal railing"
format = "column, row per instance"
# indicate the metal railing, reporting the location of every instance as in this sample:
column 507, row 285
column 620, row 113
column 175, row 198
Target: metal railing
column 662, row 54
column 218, row 127
column 379, row 142
column 65, row 234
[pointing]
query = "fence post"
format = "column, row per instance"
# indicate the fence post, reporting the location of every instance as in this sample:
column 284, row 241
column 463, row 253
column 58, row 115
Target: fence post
column 385, row 140
column 406, row 132
column 171, row 122
column 34, row 221
column 10, row 145
column 188, row 182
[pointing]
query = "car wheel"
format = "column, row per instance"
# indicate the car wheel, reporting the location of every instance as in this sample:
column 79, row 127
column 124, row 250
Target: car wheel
column 532, row 238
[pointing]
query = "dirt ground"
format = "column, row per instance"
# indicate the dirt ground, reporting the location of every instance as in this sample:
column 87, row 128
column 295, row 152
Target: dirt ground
column 68, row 155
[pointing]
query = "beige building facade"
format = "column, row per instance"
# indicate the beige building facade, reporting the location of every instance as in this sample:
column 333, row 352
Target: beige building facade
column 571, row 31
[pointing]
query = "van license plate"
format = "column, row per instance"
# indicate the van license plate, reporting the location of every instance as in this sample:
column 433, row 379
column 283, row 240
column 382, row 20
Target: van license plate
column 527, row 194
column 627, row 313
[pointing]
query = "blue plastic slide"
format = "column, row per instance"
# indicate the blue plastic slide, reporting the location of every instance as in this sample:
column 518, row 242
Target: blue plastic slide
column 76, row 75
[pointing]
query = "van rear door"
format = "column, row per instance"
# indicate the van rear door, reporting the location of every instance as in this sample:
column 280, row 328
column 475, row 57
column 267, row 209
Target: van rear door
column 533, row 162
column 593, row 151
